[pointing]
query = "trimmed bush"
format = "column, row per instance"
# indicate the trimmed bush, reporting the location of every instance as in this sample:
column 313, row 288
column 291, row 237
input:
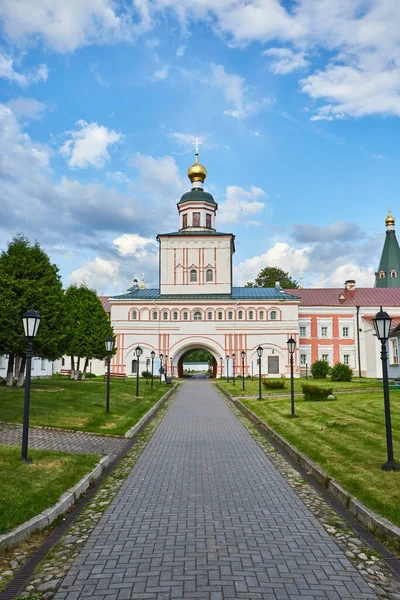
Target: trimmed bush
column 315, row 392
column 146, row 374
column 320, row 369
column 274, row 384
column 341, row 372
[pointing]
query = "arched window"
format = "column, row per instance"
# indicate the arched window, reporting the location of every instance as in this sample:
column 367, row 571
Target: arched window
column 382, row 274
column 261, row 315
column 273, row 315
column 393, row 274
column 209, row 315
column 155, row 316
column 209, row 275
column 230, row 315
column 197, row 316
column 220, row 316
column 165, row 315
column 240, row 315
column 185, row 316
column 251, row 315
column 134, row 366
column 193, row 275
column 134, row 315
column 175, row 316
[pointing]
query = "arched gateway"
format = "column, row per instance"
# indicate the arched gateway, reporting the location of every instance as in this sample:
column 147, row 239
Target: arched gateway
column 184, row 347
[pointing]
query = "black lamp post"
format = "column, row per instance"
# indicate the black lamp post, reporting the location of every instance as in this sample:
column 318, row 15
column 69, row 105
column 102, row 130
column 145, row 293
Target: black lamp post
column 166, row 367
column 233, row 368
column 161, row 367
column 152, row 354
column 31, row 320
column 243, row 355
column 138, row 352
column 291, row 344
column 147, row 369
column 170, row 360
column 109, row 343
column 259, row 354
column 227, row 368
column 382, row 323
column 221, row 362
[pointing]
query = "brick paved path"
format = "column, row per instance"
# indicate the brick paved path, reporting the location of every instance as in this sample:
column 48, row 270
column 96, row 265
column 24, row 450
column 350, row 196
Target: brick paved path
column 75, row 442
column 204, row 514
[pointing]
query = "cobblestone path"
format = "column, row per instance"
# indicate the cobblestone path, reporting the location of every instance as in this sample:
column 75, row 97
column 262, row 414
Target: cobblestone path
column 204, row 514
column 75, row 442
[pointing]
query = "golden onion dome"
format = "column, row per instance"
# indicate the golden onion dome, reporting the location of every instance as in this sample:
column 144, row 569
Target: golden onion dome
column 197, row 172
column 389, row 220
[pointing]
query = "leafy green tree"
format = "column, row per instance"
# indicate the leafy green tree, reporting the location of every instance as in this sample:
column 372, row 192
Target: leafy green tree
column 28, row 279
column 341, row 372
column 88, row 327
column 320, row 369
column 268, row 276
column 199, row 356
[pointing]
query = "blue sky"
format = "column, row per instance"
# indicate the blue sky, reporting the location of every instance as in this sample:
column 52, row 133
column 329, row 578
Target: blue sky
column 297, row 105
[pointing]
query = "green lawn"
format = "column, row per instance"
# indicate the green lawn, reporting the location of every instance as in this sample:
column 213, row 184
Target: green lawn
column 81, row 405
column 251, row 386
column 26, row 490
column 346, row 437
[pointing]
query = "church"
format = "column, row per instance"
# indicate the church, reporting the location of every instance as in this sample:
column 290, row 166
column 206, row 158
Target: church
column 196, row 306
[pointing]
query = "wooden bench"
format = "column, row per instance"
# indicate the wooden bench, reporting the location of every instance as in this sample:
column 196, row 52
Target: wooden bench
column 65, row 372
column 115, row 376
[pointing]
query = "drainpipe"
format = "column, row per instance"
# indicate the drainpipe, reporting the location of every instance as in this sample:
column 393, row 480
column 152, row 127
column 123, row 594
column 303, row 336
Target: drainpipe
column 358, row 341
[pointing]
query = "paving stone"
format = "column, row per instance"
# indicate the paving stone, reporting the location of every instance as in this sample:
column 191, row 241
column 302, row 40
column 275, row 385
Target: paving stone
column 205, row 514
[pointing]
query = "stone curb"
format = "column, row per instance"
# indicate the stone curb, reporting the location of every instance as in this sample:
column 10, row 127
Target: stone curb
column 133, row 430
column 370, row 519
column 47, row 516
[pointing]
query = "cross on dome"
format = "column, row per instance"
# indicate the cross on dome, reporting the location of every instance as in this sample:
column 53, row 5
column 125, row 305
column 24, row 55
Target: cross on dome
column 197, row 173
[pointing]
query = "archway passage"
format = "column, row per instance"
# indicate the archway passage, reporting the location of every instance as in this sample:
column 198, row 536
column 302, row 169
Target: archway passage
column 196, row 356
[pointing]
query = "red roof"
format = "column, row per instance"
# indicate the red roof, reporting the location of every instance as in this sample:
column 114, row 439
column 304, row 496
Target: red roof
column 341, row 297
column 105, row 303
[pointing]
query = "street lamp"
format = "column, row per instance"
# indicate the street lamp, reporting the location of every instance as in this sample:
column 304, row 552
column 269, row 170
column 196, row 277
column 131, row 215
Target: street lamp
column 138, row 352
column 221, row 362
column 31, row 320
column 227, row 368
column 382, row 323
column 152, row 354
column 161, row 367
column 147, row 370
column 109, row 343
column 259, row 354
column 166, row 367
column 243, row 355
column 233, row 368
column 291, row 344
column 170, row 360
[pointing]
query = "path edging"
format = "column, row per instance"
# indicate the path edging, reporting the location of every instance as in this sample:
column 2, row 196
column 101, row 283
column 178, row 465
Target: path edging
column 133, row 430
column 47, row 516
column 371, row 520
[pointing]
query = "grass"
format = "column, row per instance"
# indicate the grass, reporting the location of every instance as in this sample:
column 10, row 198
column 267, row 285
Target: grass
column 80, row 405
column 346, row 437
column 26, row 490
column 251, row 386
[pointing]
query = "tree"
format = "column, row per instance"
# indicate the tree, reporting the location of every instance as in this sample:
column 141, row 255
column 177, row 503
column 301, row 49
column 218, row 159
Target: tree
column 88, row 327
column 28, row 279
column 268, row 276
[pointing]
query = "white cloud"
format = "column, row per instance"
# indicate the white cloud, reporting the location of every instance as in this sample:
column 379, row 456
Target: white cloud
column 118, row 177
column 235, row 91
column 133, row 244
column 7, row 71
column 240, row 204
column 284, row 60
column 339, row 230
column 180, row 51
column 336, row 278
column 64, row 26
column 89, row 144
column 160, row 175
column 98, row 273
column 161, row 73
column 27, row 108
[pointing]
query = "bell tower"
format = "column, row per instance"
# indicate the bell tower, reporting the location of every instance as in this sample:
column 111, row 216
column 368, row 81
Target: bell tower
column 388, row 274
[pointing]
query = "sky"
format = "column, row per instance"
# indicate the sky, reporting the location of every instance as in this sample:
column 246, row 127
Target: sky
column 296, row 103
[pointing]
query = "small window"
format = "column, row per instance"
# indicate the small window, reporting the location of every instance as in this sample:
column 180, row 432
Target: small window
column 185, row 316
column 251, row 315
column 165, row 315
column 175, row 315
column 197, row 316
column 134, row 366
column 43, row 365
column 382, row 274
column 345, row 332
column 302, row 332
column 393, row 274
column 209, row 275
column 346, row 359
column 220, row 316
column 184, row 221
column 261, row 314
column 273, row 315
column 196, row 219
column 324, row 332
column 209, row 315
column 208, row 221
column 134, row 315
column 155, row 315
column 303, row 359
column 395, row 352
column 230, row 315
column 240, row 315
column 193, row 275
column 62, row 362
column 325, row 357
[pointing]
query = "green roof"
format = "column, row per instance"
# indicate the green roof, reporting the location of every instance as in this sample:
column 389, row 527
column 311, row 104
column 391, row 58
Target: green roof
column 238, row 293
column 389, row 263
column 197, row 195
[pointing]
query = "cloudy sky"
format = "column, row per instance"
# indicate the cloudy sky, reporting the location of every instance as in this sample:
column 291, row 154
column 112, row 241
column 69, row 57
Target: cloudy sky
column 297, row 104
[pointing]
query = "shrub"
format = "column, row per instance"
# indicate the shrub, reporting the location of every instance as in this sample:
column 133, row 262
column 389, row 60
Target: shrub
column 341, row 372
column 315, row 392
column 320, row 369
column 90, row 375
column 274, row 384
column 146, row 374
